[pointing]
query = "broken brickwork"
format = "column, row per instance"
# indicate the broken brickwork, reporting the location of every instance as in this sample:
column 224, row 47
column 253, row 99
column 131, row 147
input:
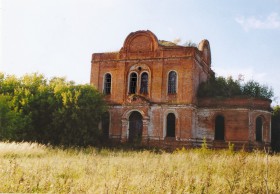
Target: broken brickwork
column 159, row 80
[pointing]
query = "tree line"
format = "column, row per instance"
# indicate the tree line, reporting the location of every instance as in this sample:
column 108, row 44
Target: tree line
column 60, row 112
column 55, row 111
column 229, row 87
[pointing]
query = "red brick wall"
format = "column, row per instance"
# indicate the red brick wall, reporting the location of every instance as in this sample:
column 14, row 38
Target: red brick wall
column 138, row 51
column 195, row 118
column 239, row 124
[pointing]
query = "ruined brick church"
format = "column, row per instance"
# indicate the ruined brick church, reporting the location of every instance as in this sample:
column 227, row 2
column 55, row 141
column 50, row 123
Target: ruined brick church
column 151, row 87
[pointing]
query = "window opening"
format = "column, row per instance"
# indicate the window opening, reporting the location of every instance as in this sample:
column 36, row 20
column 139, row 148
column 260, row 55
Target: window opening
column 133, row 83
column 144, row 83
column 259, row 128
column 172, row 81
column 107, row 84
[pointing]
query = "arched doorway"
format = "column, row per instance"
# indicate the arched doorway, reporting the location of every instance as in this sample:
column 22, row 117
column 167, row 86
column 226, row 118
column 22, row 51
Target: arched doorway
column 259, row 129
column 170, row 125
column 220, row 128
column 135, row 127
column 105, row 124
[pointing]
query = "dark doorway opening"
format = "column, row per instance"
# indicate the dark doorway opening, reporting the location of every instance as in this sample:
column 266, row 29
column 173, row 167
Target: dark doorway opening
column 105, row 123
column 135, row 127
column 170, row 125
column 259, row 129
column 220, row 128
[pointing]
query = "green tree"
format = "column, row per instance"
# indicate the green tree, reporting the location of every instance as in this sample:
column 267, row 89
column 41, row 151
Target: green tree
column 220, row 87
column 10, row 121
column 228, row 87
column 55, row 111
column 78, row 115
column 256, row 90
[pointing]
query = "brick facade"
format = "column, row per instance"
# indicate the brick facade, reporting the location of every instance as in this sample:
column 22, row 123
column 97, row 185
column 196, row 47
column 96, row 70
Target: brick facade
column 159, row 80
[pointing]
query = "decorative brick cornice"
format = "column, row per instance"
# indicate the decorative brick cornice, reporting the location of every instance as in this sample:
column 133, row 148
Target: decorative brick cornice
column 241, row 102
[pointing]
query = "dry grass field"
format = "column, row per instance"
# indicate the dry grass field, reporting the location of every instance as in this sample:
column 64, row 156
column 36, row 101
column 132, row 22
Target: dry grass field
column 34, row 168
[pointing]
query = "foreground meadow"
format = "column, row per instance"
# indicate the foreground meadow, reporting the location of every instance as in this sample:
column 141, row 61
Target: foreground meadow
column 34, row 168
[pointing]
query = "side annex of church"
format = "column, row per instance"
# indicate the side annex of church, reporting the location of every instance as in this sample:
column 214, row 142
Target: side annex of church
column 151, row 88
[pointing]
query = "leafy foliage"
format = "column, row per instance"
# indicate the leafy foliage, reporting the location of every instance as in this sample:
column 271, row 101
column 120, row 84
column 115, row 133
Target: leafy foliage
column 56, row 111
column 228, row 87
column 10, row 121
column 254, row 89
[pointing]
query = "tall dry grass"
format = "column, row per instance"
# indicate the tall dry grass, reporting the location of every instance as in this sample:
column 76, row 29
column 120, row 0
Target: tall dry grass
column 33, row 168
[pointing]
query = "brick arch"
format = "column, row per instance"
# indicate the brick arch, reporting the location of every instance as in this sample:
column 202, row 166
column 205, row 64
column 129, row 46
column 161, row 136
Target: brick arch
column 125, row 122
column 140, row 41
column 262, row 116
column 213, row 117
column 128, row 113
column 143, row 66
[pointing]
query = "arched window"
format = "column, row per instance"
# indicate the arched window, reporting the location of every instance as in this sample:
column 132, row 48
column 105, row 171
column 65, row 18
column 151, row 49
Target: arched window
column 219, row 128
column 107, row 84
column 132, row 83
column 144, row 83
column 105, row 124
column 172, row 82
column 170, row 125
column 259, row 129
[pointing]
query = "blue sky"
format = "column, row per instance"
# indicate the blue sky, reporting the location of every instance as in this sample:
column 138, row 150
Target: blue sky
column 57, row 37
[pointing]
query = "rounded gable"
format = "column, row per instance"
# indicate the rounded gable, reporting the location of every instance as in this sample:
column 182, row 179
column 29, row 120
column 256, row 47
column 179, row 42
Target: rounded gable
column 204, row 47
column 140, row 41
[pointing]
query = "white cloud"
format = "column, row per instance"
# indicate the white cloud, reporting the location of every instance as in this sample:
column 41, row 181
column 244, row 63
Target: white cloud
column 272, row 21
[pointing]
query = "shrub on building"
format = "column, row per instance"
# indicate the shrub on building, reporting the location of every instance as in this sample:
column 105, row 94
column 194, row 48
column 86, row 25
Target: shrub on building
column 229, row 87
